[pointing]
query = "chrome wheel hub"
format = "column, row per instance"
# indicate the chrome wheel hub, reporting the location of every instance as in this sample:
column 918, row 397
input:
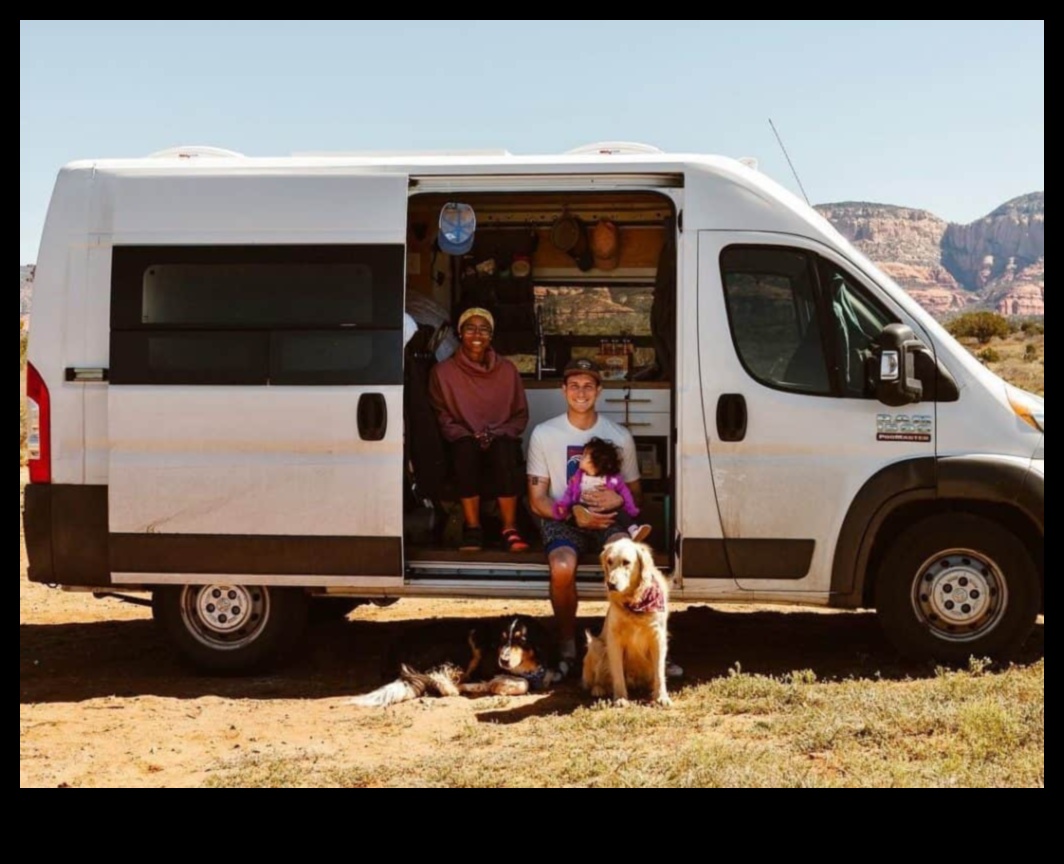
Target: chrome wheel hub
column 225, row 616
column 960, row 595
column 224, row 609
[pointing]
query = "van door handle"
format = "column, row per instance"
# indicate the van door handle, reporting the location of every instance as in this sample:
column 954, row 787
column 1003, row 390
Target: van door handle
column 372, row 417
column 732, row 417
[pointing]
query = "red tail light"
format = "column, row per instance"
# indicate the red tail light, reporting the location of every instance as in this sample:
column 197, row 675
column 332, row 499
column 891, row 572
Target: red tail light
column 40, row 423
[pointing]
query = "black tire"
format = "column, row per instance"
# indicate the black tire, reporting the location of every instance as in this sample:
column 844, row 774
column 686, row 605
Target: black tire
column 957, row 586
column 231, row 629
column 329, row 610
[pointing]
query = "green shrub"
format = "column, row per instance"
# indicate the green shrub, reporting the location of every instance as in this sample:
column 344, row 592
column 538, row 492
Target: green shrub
column 1033, row 328
column 1030, row 353
column 982, row 326
column 989, row 355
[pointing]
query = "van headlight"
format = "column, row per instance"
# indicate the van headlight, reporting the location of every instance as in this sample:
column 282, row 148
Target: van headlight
column 1028, row 407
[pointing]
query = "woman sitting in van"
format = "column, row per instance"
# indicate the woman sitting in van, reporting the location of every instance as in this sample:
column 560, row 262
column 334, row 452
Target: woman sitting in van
column 482, row 409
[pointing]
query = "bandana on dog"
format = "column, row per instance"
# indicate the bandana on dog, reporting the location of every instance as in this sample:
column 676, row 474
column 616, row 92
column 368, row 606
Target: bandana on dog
column 653, row 600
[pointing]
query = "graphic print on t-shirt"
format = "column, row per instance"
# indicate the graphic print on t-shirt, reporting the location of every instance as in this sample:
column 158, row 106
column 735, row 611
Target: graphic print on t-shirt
column 574, row 454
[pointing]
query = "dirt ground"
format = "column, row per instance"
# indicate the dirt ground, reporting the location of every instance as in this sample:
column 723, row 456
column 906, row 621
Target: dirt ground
column 104, row 701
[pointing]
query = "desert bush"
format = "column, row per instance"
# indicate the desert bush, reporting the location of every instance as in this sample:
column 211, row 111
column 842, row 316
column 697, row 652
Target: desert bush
column 1033, row 328
column 1030, row 353
column 989, row 355
column 23, row 345
column 982, row 326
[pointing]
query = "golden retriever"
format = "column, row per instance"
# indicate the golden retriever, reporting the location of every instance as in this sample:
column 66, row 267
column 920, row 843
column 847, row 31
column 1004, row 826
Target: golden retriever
column 631, row 652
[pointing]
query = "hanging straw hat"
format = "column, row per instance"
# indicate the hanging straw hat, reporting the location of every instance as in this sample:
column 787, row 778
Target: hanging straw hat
column 606, row 245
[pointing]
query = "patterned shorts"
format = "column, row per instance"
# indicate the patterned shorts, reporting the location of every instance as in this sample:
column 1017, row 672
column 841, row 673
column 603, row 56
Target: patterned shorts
column 568, row 535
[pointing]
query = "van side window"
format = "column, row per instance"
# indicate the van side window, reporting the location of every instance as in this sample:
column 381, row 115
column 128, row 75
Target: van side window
column 857, row 321
column 257, row 315
column 774, row 316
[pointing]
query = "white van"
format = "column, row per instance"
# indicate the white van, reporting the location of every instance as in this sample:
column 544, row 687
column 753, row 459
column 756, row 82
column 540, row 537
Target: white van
column 227, row 414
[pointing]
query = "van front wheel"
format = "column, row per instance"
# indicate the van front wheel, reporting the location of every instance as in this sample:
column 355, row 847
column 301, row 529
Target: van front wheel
column 957, row 586
column 231, row 629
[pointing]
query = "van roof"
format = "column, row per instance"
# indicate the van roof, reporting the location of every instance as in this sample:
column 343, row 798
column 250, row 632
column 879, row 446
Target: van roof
column 732, row 193
column 607, row 158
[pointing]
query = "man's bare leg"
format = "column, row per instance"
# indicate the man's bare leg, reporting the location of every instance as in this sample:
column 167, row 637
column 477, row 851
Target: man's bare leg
column 564, row 599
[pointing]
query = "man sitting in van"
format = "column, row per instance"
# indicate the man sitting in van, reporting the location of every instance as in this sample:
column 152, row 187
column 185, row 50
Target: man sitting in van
column 554, row 454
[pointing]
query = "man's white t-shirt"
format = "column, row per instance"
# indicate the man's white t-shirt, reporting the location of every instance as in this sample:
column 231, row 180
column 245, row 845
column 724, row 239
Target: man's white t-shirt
column 556, row 446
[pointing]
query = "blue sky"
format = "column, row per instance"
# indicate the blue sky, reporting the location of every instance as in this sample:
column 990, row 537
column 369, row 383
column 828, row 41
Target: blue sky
column 942, row 115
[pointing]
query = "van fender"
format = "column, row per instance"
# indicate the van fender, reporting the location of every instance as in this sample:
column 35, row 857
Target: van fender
column 975, row 479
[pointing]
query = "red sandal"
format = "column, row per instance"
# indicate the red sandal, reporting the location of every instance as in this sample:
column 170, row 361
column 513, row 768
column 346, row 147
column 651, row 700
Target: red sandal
column 514, row 541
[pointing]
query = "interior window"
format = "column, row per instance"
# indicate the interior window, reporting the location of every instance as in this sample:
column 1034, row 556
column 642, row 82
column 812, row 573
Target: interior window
column 772, row 307
column 608, row 323
column 595, row 310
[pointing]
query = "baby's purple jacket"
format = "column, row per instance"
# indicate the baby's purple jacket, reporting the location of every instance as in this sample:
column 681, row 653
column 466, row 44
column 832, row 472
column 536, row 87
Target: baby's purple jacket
column 614, row 483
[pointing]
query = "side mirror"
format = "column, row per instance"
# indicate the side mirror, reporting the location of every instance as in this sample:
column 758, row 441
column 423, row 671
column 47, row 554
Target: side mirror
column 896, row 380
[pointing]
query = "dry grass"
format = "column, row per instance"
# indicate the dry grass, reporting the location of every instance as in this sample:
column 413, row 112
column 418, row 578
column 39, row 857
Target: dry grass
column 972, row 729
column 1020, row 360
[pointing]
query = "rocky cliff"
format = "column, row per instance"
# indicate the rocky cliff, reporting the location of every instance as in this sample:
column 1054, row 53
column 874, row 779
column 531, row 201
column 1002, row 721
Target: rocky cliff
column 1002, row 256
column 1019, row 292
column 997, row 262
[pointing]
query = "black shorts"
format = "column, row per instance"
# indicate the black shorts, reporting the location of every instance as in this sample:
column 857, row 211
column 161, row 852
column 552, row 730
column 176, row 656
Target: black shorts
column 493, row 473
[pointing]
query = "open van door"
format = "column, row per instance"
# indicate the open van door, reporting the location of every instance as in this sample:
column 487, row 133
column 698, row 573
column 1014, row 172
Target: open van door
column 255, row 408
column 791, row 407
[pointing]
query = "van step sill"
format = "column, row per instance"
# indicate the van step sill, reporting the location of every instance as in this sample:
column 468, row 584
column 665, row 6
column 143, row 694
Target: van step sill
column 534, row 561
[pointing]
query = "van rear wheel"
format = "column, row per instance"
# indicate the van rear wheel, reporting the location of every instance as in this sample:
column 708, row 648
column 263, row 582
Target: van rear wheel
column 231, row 629
column 957, row 586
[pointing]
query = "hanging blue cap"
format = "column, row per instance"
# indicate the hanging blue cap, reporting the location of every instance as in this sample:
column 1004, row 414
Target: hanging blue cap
column 458, row 227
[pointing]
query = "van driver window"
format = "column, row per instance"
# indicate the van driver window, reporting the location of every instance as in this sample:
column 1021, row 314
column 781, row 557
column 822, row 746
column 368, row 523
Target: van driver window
column 857, row 320
column 772, row 308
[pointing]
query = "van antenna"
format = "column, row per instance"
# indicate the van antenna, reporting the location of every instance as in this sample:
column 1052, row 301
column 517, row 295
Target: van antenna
column 789, row 162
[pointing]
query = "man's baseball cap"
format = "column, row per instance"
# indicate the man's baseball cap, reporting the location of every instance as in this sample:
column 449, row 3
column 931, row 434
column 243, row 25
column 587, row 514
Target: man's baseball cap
column 582, row 366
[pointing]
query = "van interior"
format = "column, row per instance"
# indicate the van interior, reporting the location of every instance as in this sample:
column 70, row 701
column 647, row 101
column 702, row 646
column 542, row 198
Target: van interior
column 542, row 263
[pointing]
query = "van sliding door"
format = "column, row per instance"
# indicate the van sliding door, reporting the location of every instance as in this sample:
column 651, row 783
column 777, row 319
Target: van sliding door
column 255, row 404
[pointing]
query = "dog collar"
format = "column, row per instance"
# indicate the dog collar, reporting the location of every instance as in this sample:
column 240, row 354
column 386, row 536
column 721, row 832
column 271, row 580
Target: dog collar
column 541, row 679
column 653, row 600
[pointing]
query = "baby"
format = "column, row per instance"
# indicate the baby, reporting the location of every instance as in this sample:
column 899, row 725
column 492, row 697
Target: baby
column 600, row 468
